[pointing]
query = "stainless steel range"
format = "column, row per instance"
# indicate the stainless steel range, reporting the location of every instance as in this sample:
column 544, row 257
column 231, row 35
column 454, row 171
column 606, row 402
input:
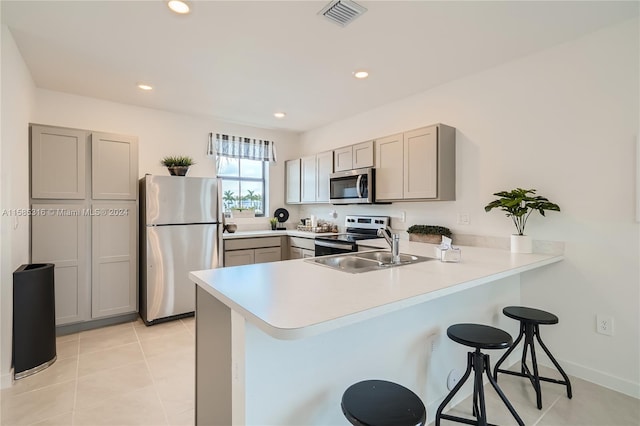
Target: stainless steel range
column 358, row 228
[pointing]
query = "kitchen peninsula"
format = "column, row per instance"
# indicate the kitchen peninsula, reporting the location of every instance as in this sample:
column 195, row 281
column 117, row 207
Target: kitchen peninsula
column 278, row 343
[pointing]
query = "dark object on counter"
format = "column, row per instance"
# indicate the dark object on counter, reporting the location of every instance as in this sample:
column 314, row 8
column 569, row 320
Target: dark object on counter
column 34, row 319
column 477, row 336
column 381, row 403
column 281, row 214
column 230, row 228
column 530, row 320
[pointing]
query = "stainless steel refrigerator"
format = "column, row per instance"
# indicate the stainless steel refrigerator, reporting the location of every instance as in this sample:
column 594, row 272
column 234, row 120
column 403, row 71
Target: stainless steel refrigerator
column 181, row 231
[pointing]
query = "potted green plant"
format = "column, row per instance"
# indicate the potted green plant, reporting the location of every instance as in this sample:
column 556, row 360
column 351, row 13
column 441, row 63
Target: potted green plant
column 519, row 204
column 178, row 165
column 274, row 222
column 428, row 233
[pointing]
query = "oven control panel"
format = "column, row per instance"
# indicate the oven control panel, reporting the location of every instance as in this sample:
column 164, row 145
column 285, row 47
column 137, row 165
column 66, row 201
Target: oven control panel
column 366, row 222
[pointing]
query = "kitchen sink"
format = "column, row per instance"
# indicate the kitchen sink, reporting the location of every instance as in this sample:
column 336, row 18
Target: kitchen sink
column 355, row 263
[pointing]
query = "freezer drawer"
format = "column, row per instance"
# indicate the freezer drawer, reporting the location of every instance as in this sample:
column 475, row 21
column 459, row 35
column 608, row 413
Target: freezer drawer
column 173, row 251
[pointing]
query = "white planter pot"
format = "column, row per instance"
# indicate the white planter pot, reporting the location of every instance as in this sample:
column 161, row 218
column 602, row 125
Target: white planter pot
column 521, row 244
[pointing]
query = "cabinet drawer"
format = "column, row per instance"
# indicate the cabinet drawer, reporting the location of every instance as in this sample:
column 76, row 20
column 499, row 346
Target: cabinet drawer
column 247, row 243
column 272, row 254
column 239, row 257
column 304, row 243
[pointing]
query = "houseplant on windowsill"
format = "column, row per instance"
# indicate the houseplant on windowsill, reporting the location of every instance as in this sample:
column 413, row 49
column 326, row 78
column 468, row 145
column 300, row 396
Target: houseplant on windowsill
column 177, row 165
column 428, row 233
column 519, row 204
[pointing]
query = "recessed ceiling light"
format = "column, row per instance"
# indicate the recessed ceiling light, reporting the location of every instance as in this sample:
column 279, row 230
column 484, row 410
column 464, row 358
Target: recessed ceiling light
column 279, row 114
column 143, row 86
column 361, row 74
column 178, row 6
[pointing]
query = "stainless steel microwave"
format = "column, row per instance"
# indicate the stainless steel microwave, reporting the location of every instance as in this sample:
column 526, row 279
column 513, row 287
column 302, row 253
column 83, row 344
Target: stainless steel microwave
column 352, row 186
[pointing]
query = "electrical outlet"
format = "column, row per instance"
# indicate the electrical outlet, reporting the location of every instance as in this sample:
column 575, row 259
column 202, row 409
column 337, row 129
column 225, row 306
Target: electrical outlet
column 453, row 378
column 463, row 218
column 604, row 324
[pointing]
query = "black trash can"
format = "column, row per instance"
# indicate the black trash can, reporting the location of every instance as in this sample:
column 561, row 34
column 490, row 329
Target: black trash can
column 34, row 319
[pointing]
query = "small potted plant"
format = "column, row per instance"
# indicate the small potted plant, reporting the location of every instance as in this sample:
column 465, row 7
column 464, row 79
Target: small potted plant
column 428, row 233
column 519, row 204
column 274, row 222
column 177, row 165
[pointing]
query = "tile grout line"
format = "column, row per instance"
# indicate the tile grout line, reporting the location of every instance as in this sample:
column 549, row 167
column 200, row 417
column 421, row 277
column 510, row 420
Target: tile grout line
column 153, row 380
column 547, row 410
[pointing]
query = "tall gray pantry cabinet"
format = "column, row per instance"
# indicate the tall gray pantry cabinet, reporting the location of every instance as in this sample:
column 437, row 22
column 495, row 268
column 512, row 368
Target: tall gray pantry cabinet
column 84, row 200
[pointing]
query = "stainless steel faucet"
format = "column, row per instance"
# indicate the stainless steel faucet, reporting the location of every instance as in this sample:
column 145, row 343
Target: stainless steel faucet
column 394, row 242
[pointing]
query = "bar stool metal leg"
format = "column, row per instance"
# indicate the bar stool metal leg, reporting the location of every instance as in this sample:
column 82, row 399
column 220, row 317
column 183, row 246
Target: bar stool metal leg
column 455, row 389
column 566, row 382
column 530, row 331
column 508, row 352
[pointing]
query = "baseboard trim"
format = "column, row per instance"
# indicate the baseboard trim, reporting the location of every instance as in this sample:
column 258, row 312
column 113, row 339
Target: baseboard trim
column 600, row 378
column 6, row 380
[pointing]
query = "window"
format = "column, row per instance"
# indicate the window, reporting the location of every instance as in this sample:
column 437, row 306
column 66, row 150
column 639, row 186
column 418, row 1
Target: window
column 243, row 183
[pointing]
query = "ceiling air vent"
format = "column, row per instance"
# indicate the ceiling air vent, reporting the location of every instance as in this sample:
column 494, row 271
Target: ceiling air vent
column 342, row 12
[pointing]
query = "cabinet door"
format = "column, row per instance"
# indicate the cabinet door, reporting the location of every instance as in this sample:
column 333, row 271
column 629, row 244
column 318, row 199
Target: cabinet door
column 308, row 253
column 292, row 181
column 421, row 163
column 114, row 252
column 60, row 237
column 309, row 179
column 58, row 163
column 114, row 167
column 270, row 254
column 239, row 257
column 363, row 155
column 389, row 167
column 342, row 159
column 324, row 167
column 295, row 253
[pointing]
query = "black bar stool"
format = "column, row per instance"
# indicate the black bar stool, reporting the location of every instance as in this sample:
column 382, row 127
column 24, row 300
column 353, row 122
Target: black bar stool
column 382, row 403
column 479, row 337
column 530, row 320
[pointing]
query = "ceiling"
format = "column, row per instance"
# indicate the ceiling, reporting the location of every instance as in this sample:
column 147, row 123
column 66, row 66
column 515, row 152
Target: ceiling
column 241, row 61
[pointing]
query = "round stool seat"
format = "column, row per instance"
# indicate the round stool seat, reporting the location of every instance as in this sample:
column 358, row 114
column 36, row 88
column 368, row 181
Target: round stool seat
column 382, row 403
column 530, row 315
column 479, row 336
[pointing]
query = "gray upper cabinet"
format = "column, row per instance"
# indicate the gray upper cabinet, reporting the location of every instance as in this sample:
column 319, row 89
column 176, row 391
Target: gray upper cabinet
column 343, row 159
column 58, row 163
column 417, row 165
column 292, row 170
column 356, row 156
column 324, row 167
column 114, row 259
column 363, row 155
column 389, row 168
column 309, row 179
column 114, row 167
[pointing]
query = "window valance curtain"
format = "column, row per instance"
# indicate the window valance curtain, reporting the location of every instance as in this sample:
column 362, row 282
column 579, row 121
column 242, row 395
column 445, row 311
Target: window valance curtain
column 241, row 147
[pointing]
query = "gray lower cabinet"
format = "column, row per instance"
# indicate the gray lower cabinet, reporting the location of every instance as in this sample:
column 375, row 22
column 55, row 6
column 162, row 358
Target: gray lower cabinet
column 247, row 251
column 59, row 236
column 114, row 259
column 301, row 248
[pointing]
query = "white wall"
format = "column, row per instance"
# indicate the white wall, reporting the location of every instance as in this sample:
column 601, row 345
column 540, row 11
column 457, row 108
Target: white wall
column 563, row 121
column 17, row 98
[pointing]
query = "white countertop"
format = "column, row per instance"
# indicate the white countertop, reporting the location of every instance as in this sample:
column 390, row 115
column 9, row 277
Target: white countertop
column 295, row 299
column 270, row 233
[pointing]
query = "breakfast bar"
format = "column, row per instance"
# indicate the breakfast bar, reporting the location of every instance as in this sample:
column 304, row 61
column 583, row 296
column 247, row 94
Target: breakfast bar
column 278, row 343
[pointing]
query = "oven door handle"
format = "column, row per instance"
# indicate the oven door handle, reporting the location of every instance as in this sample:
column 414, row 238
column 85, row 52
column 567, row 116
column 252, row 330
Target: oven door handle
column 333, row 245
column 358, row 186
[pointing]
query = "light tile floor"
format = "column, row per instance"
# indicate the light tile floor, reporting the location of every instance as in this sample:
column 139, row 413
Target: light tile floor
column 130, row 374
column 126, row 374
